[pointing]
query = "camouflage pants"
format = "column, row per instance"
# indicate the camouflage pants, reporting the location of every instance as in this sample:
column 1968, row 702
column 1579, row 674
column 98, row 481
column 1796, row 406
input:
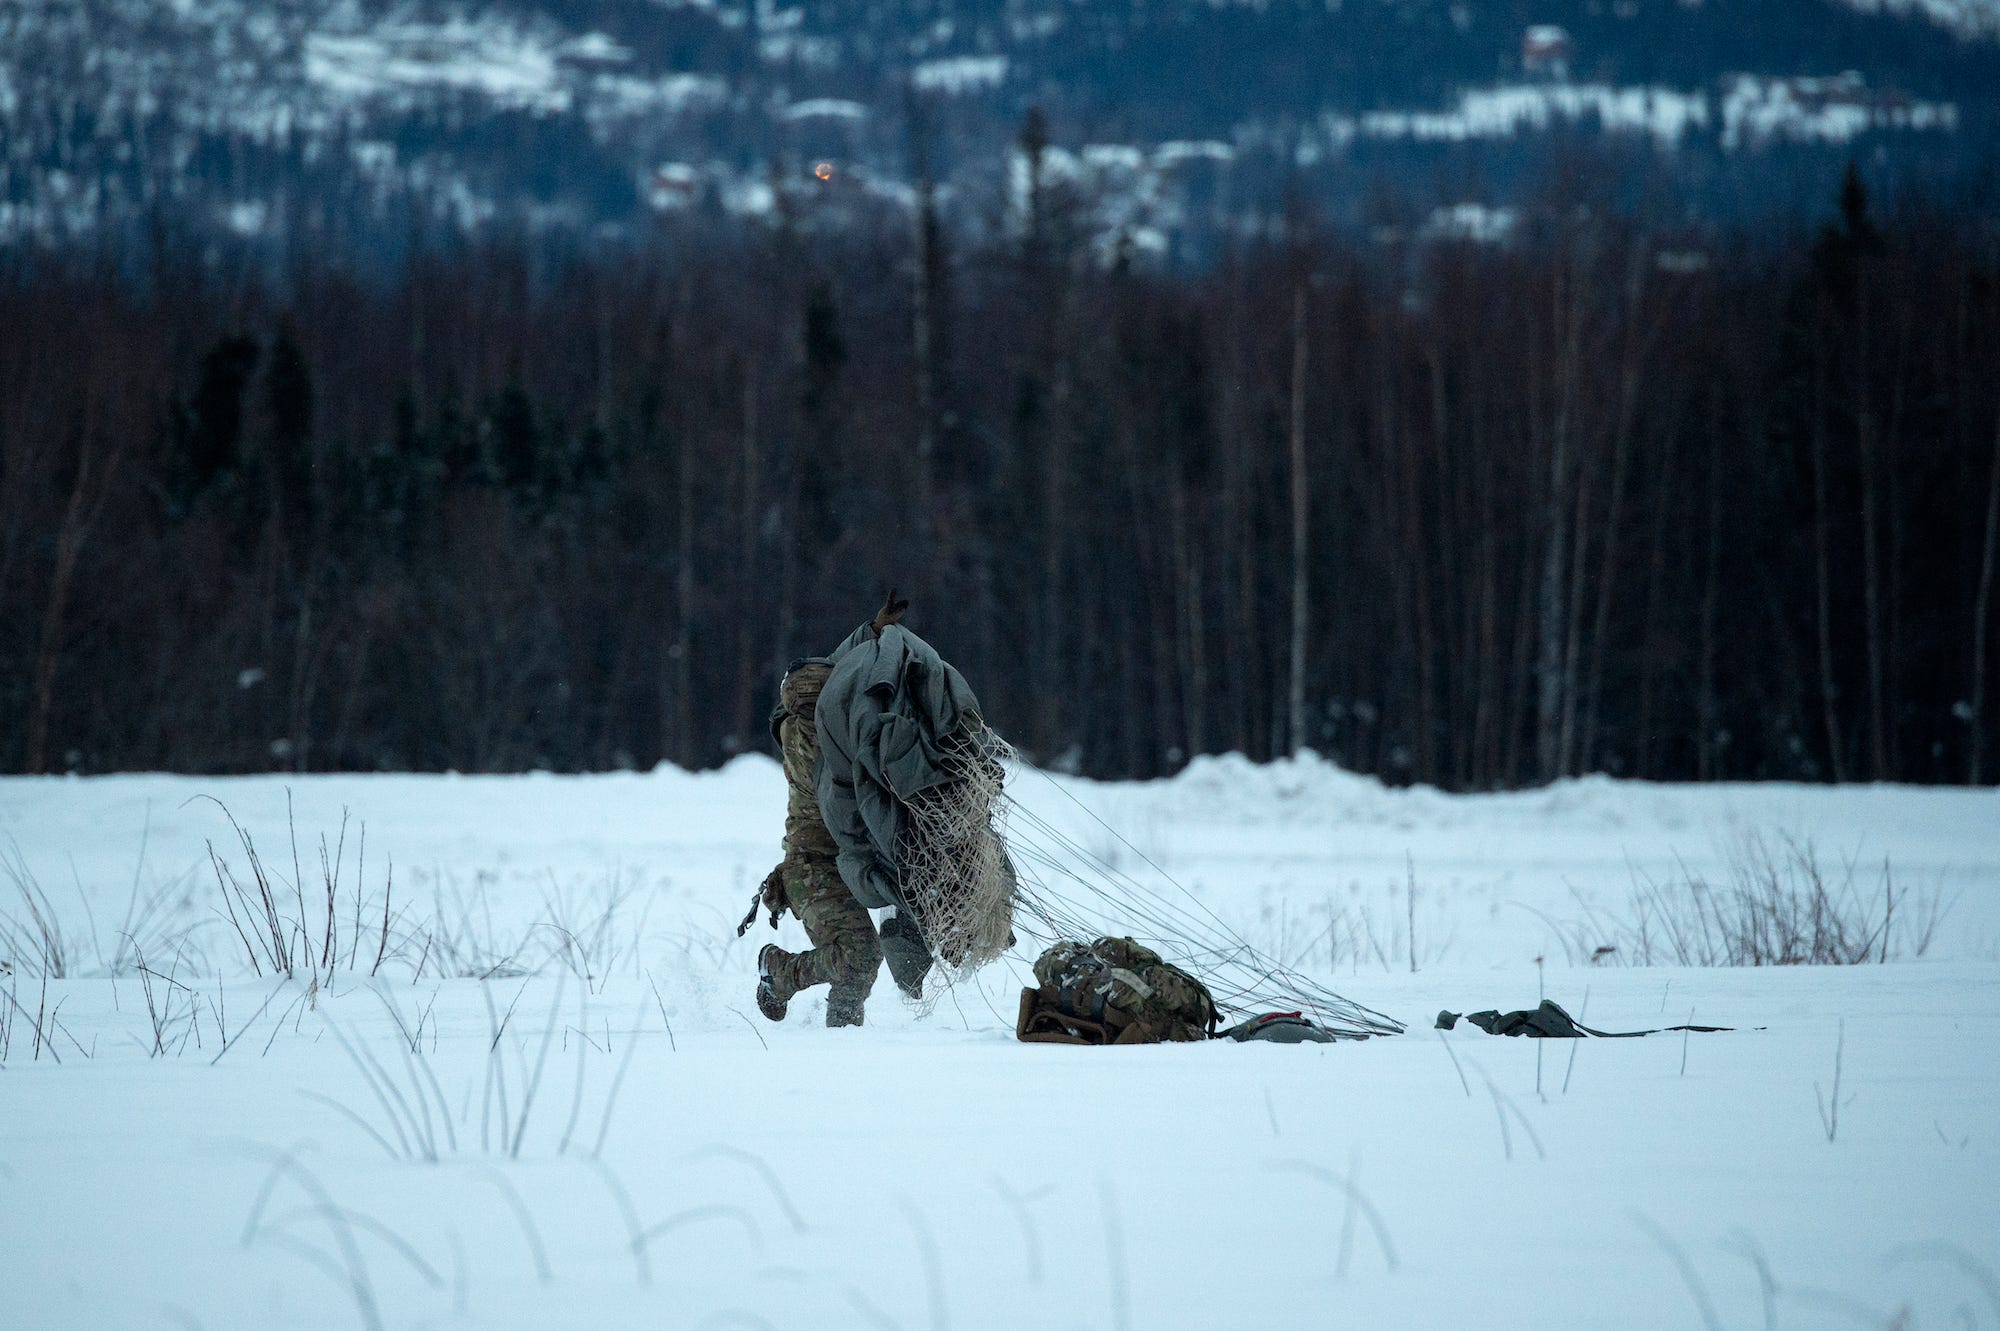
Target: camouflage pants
column 845, row 951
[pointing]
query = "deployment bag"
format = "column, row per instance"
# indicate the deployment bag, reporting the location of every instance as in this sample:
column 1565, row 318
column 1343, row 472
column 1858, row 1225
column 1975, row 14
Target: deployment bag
column 1112, row 991
column 1284, row 1028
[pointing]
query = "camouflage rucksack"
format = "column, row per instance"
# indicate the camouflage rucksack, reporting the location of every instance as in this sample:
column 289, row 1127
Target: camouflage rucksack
column 1112, row 991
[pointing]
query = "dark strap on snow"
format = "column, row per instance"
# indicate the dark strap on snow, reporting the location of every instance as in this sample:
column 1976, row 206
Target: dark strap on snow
column 1550, row 1022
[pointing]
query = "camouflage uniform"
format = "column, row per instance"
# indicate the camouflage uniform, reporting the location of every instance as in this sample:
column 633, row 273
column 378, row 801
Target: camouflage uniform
column 845, row 952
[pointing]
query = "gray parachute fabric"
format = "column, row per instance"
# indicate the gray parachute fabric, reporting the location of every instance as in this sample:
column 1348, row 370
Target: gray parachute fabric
column 1285, row 1028
column 909, row 788
column 893, row 718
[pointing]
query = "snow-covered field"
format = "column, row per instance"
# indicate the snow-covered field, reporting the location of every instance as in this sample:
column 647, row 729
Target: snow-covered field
column 199, row 1145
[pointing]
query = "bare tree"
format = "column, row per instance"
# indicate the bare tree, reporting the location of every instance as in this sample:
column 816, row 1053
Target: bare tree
column 1295, row 698
column 1982, row 604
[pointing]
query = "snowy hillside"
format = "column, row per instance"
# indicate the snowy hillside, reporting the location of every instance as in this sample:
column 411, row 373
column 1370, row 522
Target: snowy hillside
column 603, row 1132
column 356, row 121
column 1971, row 18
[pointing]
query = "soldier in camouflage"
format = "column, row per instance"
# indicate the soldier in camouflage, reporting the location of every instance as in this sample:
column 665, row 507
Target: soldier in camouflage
column 845, row 953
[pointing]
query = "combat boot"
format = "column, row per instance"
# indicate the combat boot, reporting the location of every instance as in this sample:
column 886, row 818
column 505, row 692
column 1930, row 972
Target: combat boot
column 769, row 1002
column 844, row 1003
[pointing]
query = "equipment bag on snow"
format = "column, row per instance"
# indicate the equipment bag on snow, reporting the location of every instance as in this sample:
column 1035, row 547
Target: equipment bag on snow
column 1112, row 991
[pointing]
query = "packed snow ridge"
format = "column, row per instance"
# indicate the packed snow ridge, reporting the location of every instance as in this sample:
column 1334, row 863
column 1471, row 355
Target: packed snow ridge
column 1748, row 111
column 552, row 1103
column 1969, row 18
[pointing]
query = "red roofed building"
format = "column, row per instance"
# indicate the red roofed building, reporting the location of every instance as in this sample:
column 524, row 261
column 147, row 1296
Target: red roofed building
column 1545, row 51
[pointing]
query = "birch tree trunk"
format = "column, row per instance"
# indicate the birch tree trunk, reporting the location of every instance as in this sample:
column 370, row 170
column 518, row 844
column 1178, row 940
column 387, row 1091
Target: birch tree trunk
column 1822, row 578
column 922, row 357
column 1296, row 695
column 748, row 668
column 1707, row 709
column 1551, row 600
column 1871, row 540
column 79, row 515
column 684, row 747
column 1981, row 606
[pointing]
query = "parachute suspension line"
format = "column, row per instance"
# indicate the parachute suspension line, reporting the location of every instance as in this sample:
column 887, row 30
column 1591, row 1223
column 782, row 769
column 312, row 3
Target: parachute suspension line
column 1230, row 967
column 1239, row 976
column 1234, row 973
column 1151, row 920
column 1121, row 888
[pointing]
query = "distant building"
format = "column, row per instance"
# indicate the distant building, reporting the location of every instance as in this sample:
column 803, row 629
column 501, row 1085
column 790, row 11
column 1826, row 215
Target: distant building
column 1681, row 262
column 672, row 185
column 1472, row 222
column 594, row 53
column 1546, row 51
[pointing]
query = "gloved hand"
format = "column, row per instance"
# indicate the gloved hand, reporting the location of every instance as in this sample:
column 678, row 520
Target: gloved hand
column 772, row 894
column 891, row 611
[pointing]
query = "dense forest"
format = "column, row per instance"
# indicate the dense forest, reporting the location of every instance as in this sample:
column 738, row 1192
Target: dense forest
column 1611, row 496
